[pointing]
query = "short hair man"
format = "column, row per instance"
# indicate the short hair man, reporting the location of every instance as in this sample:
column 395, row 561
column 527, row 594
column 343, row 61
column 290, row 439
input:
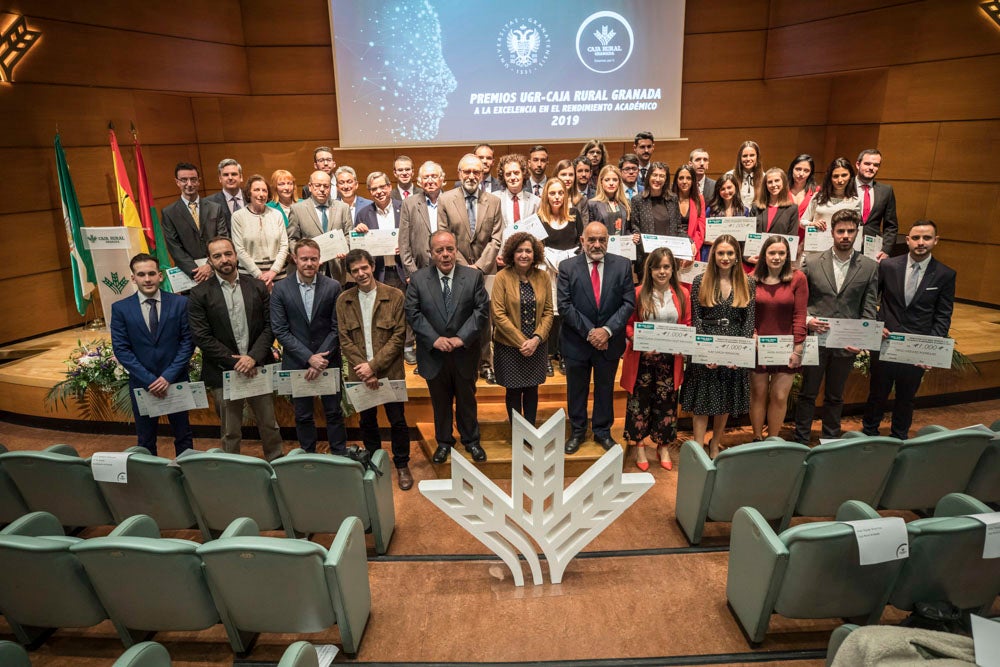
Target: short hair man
column 372, row 329
column 323, row 160
column 698, row 160
column 448, row 308
column 231, row 179
column 418, row 219
column 304, row 320
column 189, row 222
column 402, row 169
column 843, row 283
column 383, row 213
column 628, row 165
column 918, row 296
column 230, row 320
column 538, row 162
column 488, row 183
column 643, row 146
column 320, row 214
column 347, row 191
column 516, row 202
column 152, row 341
column 596, row 297
column 878, row 201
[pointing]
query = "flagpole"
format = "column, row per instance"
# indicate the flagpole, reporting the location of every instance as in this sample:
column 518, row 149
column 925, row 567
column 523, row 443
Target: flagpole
column 98, row 322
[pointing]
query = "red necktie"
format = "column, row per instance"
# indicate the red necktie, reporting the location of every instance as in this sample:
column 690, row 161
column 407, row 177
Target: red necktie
column 406, row 193
column 517, row 209
column 595, row 281
column 866, row 206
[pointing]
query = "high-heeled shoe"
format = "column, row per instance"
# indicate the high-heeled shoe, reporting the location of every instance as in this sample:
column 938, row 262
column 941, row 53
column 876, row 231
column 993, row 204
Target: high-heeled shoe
column 641, row 465
column 663, row 452
column 713, row 449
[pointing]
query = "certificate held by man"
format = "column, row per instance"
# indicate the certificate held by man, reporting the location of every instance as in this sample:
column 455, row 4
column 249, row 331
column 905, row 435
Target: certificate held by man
column 843, row 332
column 738, row 227
column 180, row 397
column 917, row 349
column 617, row 245
column 725, row 351
column 236, row 385
column 331, row 245
column 663, row 337
column 363, row 397
column 680, row 246
column 531, row 225
column 378, row 242
column 327, row 383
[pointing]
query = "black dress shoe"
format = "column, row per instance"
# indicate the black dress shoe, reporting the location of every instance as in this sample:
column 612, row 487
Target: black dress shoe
column 573, row 444
column 549, row 371
column 410, row 356
column 562, row 367
column 487, row 374
column 441, row 454
column 478, row 455
column 607, row 442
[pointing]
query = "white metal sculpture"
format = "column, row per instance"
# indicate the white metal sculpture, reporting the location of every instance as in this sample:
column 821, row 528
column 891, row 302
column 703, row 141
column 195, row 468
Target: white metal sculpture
column 560, row 521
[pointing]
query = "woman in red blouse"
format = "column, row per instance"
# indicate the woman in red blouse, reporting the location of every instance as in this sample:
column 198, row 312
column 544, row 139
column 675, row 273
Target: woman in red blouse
column 690, row 202
column 782, row 295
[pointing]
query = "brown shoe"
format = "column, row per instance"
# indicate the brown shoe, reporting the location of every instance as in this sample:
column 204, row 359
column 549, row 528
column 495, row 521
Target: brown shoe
column 405, row 478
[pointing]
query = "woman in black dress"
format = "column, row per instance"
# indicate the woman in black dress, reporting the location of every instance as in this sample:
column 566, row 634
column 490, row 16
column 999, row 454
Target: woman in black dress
column 564, row 229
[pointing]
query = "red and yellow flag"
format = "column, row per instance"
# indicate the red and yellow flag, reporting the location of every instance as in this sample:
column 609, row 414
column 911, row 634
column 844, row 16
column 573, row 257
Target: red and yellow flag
column 127, row 211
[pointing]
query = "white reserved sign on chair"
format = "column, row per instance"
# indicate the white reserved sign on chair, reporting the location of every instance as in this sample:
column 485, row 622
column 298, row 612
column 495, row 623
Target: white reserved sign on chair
column 881, row 540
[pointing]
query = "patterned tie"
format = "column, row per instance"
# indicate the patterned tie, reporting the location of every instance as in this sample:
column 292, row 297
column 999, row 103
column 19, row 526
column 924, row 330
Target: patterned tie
column 642, row 174
column 236, row 204
column 866, row 206
column 538, row 189
column 193, row 206
column 470, row 203
column 323, row 217
column 448, row 304
column 595, row 282
column 154, row 317
column 912, row 281
column 517, row 209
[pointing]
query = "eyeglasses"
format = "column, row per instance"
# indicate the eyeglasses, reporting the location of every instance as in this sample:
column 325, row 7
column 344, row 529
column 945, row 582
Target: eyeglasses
column 323, row 160
column 628, row 170
column 320, row 186
column 470, row 172
column 377, row 188
column 192, row 179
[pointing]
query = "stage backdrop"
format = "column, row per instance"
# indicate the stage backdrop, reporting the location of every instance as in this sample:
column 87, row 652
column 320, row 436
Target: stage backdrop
column 442, row 71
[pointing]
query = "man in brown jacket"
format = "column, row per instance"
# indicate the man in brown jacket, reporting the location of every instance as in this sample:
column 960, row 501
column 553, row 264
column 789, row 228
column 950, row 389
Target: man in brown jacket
column 372, row 331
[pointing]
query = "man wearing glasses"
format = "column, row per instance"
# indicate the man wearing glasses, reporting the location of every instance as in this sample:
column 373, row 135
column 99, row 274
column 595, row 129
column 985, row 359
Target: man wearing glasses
column 319, row 214
column 322, row 161
column 402, row 169
column 628, row 164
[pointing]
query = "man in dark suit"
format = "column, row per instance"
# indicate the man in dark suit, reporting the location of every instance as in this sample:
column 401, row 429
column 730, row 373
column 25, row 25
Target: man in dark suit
column 698, row 160
column 628, row 165
column 382, row 214
column 538, row 162
column 151, row 339
column 843, row 283
column 643, row 145
column 324, row 161
column 918, row 296
column 448, row 308
column 304, row 320
column 190, row 222
column 488, row 183
column 318, row 214
column 230, row 197
column 402, row 169
column 230, row 322
column 878, row 202
column 596, row 296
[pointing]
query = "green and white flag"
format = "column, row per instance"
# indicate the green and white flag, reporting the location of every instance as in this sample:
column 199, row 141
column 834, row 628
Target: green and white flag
column 81, row 264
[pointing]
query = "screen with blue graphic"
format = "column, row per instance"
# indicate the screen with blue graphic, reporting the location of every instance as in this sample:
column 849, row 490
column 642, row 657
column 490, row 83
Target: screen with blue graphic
column 446, row 72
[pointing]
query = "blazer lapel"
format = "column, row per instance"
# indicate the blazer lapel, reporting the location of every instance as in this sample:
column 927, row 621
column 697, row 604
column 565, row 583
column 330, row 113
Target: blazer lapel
column 437, row 295
column 425, row 215
column 925, row 280
column 827, row 265
column 852, row 271
column 588, row 286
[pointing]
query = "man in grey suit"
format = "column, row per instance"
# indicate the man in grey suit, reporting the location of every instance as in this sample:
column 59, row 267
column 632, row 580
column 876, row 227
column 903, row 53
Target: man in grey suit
column 230, row 198
column 843, row 283
column 698, row 160
column 448, row 308
column 319, row 214
column 473, row 217
column 304, row 320
column 190, row 222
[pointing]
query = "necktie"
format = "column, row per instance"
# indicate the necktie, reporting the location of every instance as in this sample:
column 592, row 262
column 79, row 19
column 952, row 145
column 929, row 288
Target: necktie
column 642, row 174
column 406, row 193
column 595, row 282
column 323, row 217
column 154, row 317
column 538, row 189
column 236, row 204
column 470, row 203
column 866, row 206
column 193, row 206
column 517, row 209
column 912, row 281
column 448, row 305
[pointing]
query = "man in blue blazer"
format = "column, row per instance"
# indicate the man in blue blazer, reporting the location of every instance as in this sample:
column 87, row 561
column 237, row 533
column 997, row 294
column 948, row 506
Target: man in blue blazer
column 151, row 339
column 382, row 214
column 304, row 320
column 596, row 296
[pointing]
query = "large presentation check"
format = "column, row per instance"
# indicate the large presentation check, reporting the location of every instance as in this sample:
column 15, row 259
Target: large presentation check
column 680, row 246
column 663, row 337
column 908, row 348
column 738, row 227
column 755, row 241
column 725, row 351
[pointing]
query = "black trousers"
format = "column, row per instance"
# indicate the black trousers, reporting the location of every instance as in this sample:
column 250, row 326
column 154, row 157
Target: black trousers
column 453, row 397
column 399, row 432
column 884, row 376
column 305, row 423
column 578, row 390
column 835, row 369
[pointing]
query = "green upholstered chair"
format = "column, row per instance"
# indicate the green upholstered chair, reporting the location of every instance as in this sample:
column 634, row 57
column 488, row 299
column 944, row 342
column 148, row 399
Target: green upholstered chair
column 223, row 487
column 299, row 654
column 320, row 490
column 148, row 583
column 144, row 654
column 946, row 559
column 985, row 482
column 764, row 475
column 13, row 655
column 837, row 638
column 929, row 467
column 12, row 505
column 808, row 571
column 271, row 584
column 851, row 469
column 155, row 488
column 43, row 587
column 58, row 481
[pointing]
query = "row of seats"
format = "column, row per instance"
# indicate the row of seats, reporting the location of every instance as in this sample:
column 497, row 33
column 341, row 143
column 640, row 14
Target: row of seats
column 151, row 654
column 145, row 583
column 781, row 479
column 299, row 493
column 813, row 570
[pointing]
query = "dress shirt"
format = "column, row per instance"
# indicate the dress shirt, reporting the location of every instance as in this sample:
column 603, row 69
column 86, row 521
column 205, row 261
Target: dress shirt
column 353, row 206
column 238, row 197
column 631, row 191
column 307, row 291
column 432, row 213
column 532, row 184
column 386, row 219
column 187, row 204
column 600, row 277
column 236, row 308
column 840, row 270
column 861, row 193
column 921, row 272
column 367, row 302
column 665, row 310
column 507, row 206
column 450, row 277
column 158, row 305
column 320, row 208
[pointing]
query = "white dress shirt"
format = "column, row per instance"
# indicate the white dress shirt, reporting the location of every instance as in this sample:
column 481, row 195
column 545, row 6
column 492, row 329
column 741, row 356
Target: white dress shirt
column 367, row 302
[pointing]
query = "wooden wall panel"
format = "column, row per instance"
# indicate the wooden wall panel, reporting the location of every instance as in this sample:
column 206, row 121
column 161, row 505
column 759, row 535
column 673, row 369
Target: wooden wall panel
column 911, row 202
column 52, row 305
column 950, row 90
column 845, row 141
column 265, row 118
column 791, row 12
column 32, row 243
column 970, row 261
column 725, row 15
column 857, row 97
column 966, row 211
column 758, row 103
column 290, row 70
column 968, row 152
column 726, row 56
column 305, row 22
column 907, row 150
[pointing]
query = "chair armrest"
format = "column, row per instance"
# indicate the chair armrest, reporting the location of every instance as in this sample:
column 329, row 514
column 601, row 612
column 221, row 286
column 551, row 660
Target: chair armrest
column 855, row 510
column 757, row 563
column 347, row 582
column 378, row 498
column 695, row 481
column 215, row 450
column 140, row 450
column 295, row 452
column 930, row 428
column 836, row 639
column 959, row 504
column 36, row 524
column 65, row 450
column 242, row 527
column 138, row 525
column 299, row 654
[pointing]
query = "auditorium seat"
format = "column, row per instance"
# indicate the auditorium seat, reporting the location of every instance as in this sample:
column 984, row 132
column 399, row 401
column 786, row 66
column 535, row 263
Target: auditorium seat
column 223, row 487
column 12, row 504
column 808, row 571
column 985, row 482
column 155, row 488
column 58, row 481
column 145, row 654
column 929, row 467
column 946, row 559
column 837, row 638
column 13, row 655
column 851, row 469
column 320, row 490
column 763, row 475
column 272, row 584
column 43, row 587
column 299, row 654
column 148, row 583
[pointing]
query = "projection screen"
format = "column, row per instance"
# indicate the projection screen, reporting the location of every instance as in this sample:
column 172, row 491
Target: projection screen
column 412, row 72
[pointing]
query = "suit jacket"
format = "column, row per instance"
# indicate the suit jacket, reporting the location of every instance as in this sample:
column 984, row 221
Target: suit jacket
column 453, row 216
column 426, row 313
column 527, row 203
column 493, row 185
column 580, row 312
column 212, row 331
column 786, row 220
column 930, row 310
column 397, row 194
column 415, row 234
column 220, row 199
column 368, row 216
column 360, row 204
column 505, row 306
column 303, row 222
column 708, row 191
column 882, row 220
column 147, row 357
column 388, row 332
column 299, row 336
column 857, row 297
column 185, row 240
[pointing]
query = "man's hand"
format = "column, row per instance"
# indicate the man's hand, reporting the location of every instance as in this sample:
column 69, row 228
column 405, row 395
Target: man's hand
column 312, row 374
column 202, row 273
column 598, row 337
column 318, row 361
column 364, row 372
column 443, row 344
column 158, row 387
column 456, row 342
column 880, row 256
column 636, row 238
column 245, row 364
column 885, row 333
column 817, row 326
column 268, row 277
column 361, row 228
column 852, row 350
column 371, row 383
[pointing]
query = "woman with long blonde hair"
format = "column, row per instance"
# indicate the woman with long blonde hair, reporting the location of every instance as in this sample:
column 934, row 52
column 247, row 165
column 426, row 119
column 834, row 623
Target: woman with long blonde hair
column 609, row 205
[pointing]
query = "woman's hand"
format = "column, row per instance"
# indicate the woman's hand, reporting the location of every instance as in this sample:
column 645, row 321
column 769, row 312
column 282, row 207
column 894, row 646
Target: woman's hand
column 529, row 346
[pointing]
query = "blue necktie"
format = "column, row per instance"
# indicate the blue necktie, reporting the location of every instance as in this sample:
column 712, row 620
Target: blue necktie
column 470, row 202
column 323, row 219
column 154, row 317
